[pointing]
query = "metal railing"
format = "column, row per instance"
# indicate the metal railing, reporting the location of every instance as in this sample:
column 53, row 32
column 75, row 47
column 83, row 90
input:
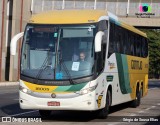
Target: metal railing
column 118, row 7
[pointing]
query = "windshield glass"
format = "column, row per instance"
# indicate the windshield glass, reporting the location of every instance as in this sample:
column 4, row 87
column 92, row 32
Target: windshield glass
column 54, row 52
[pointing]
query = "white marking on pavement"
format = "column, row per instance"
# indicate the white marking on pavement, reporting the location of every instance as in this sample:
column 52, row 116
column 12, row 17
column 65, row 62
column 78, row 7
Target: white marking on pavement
column 114, row 123
column 133, row 115
column 153, row 106
column 140, row 111
column 148, row 109
column 24, row 113
column 153, row 88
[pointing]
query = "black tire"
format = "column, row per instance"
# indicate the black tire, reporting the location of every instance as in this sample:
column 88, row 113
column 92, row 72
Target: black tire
column 135, row 103
column 45, row 113
column 103, row 113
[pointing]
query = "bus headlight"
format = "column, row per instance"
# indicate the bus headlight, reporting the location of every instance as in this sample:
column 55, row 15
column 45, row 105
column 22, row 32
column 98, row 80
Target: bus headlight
column 87, row 90
column 25, row 90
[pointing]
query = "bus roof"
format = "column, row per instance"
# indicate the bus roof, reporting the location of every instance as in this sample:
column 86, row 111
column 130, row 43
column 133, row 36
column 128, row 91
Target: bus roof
column 68, row 17
column 78, row 17
column 132, row 28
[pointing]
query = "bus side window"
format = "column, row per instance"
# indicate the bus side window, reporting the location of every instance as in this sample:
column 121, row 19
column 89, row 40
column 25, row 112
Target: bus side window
column 138, row 46
column 118, row 39
column 135, row 45
column 132, row 44
column 143, row 47
column 104, row 44
column 128, row 41
column 146, row 46
column 111, row 40
column 117, row 44
column 124, row 41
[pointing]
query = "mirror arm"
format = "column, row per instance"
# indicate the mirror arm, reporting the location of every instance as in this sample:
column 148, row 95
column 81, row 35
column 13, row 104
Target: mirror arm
column 98, row 41
column 14, row 41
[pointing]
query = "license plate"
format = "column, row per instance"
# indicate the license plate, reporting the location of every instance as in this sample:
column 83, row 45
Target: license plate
column 53, row 103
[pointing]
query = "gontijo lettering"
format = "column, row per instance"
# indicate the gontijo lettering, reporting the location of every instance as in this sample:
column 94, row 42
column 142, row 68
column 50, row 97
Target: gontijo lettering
column 135, row 64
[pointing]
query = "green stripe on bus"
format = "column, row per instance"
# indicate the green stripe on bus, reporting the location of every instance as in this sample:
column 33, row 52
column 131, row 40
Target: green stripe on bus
column 71, row 88
column 126, row 73
column 123, row 73
column 62, row 88
column 109, row 78
column 77, row 87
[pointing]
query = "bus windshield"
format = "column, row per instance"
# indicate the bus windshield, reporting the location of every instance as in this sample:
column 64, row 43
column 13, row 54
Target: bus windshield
column 56, row 52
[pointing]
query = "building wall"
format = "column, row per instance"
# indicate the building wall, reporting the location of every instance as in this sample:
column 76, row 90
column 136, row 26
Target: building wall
column 0, row 22
column 21, row 15
column 0, row 15
column 2, row 40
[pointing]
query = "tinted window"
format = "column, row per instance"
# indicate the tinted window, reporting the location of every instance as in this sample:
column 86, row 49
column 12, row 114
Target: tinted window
column 126, row 42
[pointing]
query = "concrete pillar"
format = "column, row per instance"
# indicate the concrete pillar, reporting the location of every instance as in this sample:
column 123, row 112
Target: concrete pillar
column 3, row 49
column 17, row 27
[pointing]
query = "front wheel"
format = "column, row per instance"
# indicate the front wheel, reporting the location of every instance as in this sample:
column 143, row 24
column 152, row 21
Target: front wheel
column 103, row 113
column 45, row 113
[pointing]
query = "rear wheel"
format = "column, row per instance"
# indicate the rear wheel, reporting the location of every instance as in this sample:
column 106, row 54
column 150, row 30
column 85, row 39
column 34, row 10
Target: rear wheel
column 45, row 113
column 135, row 103
column 103, row 113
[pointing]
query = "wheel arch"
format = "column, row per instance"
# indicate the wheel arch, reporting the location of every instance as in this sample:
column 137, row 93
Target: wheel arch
column 142, row 87
column 109, row 88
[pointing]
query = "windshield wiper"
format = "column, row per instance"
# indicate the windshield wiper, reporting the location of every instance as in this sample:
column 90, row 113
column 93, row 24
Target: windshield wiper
column 42, row 69
column 62, row 62
column 67, row 72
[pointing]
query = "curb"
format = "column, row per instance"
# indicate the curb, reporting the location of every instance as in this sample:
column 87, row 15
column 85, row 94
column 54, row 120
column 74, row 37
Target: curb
column 9, row 84
column 153, row 79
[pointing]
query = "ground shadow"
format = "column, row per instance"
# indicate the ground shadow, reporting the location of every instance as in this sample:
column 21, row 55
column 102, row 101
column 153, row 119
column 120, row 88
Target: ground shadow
column 12, row 109
column 62, row 116
column 84, row 116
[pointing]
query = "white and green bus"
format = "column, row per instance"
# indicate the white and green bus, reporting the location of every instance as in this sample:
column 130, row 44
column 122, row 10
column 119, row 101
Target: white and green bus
column 81, row 60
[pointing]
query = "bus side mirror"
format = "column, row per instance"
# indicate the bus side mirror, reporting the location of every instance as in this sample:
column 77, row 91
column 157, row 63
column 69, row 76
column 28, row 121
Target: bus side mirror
column 98, row 41
column 14, row 43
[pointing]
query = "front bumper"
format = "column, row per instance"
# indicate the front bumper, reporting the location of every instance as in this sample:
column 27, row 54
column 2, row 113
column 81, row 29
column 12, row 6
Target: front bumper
column 86, row 102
